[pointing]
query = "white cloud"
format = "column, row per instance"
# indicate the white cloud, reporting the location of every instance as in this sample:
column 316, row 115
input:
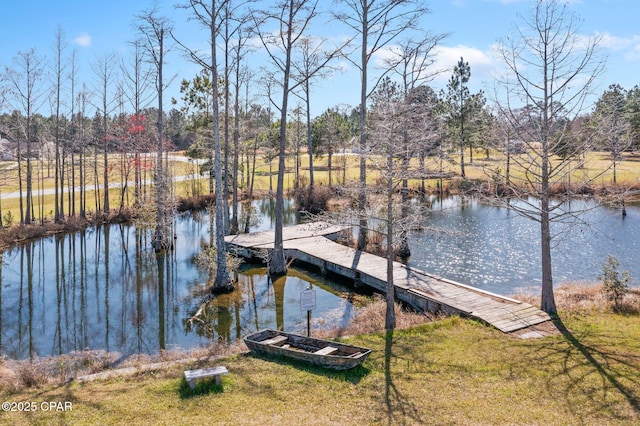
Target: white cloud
column 83, row 40
column 610, row 41
column 633, row 55
column 343, row 66
column 628, row 46
column 482, row 64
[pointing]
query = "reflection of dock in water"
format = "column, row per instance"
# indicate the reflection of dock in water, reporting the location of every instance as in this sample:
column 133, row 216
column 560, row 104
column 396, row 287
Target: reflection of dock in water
column 310, row 243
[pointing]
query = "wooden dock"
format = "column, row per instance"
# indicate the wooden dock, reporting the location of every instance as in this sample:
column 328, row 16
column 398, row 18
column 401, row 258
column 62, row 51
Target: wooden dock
column 311, row 243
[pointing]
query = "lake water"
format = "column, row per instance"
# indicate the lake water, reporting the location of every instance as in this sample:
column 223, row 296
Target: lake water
column 497, row 250
column 105, row 288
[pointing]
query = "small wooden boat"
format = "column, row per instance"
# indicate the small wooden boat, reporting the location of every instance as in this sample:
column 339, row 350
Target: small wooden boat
column 325, row 353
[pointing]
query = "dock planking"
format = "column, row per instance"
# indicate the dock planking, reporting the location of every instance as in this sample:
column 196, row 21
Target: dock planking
column 312, row 243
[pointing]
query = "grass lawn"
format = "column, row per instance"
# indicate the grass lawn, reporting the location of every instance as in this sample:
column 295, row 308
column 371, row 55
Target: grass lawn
column 451, row 371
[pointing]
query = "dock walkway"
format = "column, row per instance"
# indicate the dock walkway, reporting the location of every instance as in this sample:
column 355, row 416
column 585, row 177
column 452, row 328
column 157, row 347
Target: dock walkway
column 311, row 243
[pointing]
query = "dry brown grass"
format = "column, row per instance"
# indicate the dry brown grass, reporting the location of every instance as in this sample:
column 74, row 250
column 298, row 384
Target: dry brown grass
column 16, row 375
column 371, row 318
column 587, row 297
column 19, row 374
column 338, row 203
column 22, row 233
column 589, row 375
column 312, row 201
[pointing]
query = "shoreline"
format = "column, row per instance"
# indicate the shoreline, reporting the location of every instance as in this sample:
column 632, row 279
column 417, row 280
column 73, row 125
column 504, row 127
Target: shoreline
column 17, row 234
column 91, row 365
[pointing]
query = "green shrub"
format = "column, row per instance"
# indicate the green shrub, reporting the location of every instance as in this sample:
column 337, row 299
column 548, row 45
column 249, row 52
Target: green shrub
column 613, row 282
column 8, row 219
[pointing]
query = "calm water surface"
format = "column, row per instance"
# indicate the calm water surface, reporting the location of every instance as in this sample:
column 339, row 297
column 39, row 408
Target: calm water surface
column 104, row 288
column 497, row 250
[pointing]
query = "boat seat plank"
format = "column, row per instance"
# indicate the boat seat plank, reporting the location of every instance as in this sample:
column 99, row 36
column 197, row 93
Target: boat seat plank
column 327, row 350
column 275, row 341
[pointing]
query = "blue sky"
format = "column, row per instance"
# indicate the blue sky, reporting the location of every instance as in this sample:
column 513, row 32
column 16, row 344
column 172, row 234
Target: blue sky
column 96, row 27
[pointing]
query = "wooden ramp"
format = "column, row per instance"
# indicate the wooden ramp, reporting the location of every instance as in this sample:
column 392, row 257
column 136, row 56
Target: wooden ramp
column 310, row 243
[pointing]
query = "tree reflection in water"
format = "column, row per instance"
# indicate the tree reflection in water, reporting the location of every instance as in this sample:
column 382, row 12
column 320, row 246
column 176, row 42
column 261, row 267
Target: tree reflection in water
column 105, row 288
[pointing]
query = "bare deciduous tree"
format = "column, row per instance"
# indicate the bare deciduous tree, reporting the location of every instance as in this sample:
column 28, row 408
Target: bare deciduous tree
column 313, row 63
column 292, row 18
column 550, row 71
column 378, row 24
column 25, row 95
column 137, row 80
column 387, row 122
column 59, row 76
column 154, row 29
column 411, row 61
column 236, row 21
column 208, row 14
column 81, row 123
column 105, row 81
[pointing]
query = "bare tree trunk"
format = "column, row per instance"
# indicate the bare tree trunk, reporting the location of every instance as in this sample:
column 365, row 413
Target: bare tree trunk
column 507, row 172
column 404, row 251
column 236, row 142
column 390, row 316
column 222, row 281
column 236, row 154
column 161, row 239
column 81, row 160
column 20, row 190
column 422, row 179
column 330, row 165
column 277, row 265
column 560, row 68
column 96, row 180
column 105, row 173
column 548, row 303
column 344, row 167
column 29, row 177
column 250, row 183
column 296, row 180
column 58, row 179
column 309, row 137
column 105, row 152
column 362, row 194
column 81, row 177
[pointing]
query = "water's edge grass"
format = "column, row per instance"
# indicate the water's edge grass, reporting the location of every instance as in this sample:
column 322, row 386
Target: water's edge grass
column 443, row 371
